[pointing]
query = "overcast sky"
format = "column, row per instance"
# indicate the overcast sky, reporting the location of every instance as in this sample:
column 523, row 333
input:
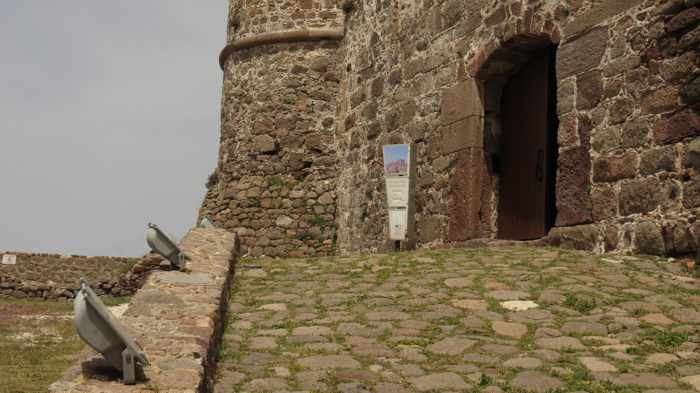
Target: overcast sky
column 109, row 119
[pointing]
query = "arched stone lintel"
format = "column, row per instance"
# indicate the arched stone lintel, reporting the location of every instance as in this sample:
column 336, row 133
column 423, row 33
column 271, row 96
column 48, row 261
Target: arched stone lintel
column 278, row 37
column 503, row 59
column 519, row 37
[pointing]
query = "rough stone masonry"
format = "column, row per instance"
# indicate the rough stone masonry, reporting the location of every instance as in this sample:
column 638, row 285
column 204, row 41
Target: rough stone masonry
column 52, row 276
column 314, row 88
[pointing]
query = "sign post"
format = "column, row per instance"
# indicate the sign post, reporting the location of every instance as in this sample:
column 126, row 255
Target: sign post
column 400, row 175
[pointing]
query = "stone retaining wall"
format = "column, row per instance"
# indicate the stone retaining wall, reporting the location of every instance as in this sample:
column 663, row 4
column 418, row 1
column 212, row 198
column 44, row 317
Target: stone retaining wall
column 52, row 276
column 177, row 318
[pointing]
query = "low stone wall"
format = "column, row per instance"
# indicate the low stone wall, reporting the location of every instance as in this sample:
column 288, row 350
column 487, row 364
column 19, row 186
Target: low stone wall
column 178, row 319
column 52, row 276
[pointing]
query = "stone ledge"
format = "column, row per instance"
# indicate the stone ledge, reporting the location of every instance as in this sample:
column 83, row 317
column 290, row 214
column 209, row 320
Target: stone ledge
column 278, row 37
column 177, row 318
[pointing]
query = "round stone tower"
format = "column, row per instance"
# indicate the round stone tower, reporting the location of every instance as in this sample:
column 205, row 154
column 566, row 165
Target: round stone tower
column 275, row 180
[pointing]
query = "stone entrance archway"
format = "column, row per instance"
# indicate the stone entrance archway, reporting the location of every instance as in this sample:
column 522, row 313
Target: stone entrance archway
column 478, row 207
column 520, row 126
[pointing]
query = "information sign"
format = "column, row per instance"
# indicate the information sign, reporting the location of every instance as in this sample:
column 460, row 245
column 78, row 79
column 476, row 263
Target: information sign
column 9, row 259
column 399, row 176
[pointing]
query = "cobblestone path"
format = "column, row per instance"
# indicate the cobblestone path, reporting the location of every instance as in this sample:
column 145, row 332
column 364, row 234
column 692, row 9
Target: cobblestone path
column 464, row 320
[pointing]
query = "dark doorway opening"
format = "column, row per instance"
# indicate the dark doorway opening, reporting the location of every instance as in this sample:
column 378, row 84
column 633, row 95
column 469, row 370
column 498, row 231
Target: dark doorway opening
column 528, row 149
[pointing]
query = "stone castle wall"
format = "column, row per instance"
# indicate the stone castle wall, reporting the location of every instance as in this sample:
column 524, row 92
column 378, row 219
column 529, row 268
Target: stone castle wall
column 276, row 179
column 52, row 276
column 429, row 73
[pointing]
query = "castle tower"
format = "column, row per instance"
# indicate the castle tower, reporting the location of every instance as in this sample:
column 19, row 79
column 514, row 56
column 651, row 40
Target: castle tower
column 275, row 180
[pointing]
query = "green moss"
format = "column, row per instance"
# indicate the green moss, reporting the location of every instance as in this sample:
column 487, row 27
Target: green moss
column 318, row 221
column 275, row 181
column 304, row 236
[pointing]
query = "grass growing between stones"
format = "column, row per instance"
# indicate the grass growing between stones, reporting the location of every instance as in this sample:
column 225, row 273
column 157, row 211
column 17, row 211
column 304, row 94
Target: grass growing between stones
column 580, row 303
column 581, row 380
column 390, row 313
column 652, row 340
column 37, row 342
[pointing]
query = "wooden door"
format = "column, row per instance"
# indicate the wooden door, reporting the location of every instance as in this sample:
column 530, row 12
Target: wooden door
column 526, row 160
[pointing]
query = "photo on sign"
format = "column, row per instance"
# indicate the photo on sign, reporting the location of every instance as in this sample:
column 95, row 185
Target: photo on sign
column 396, row 160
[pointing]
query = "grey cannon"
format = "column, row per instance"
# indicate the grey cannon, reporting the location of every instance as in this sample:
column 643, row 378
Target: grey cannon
column 101, row 331
column 163, row 245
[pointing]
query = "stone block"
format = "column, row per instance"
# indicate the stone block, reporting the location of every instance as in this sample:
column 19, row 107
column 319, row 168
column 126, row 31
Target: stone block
column 429, row 229
column 657, row 160
column 692, row 155
column 609, row 169
column 612, row 238
column 466, row 184
column 452, row 12
column 567, row 135
column 685, row 19
column 462, row 134
column 582, row 237
column 461, row 101
column 566, row 95
column 620, row 110
column 497, row 16
column 589, row 90
column 670, row 7
column 604, row 202
column 691, row 92
column 678, row 238
column 677, row 127
column 635, row 134
column 648, row 239
column 678, row 68
column 606, row 139
column 572, row 187
column 660, row 100
column 621, row 65
column 583, row 53
column 640, row 196
column 599, row 12
column 690, row 39
column 691, row 192
column 264, row 144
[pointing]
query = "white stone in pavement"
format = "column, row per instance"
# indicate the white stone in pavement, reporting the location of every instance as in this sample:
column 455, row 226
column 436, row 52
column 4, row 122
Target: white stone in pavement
column 519, row 305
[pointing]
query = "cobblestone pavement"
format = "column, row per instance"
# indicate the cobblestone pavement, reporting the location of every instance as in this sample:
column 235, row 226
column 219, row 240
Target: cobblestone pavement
column 464, row 320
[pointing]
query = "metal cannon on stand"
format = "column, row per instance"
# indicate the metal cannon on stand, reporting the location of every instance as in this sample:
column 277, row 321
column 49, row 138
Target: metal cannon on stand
column 102, row 332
